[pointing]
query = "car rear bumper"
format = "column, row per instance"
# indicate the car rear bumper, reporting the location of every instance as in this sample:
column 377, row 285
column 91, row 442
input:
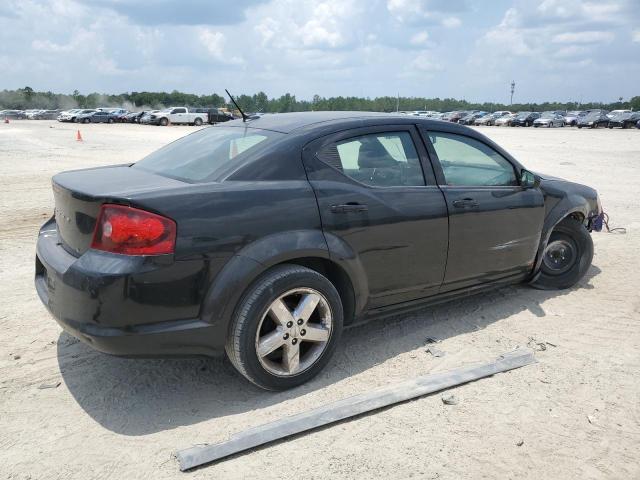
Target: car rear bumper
column 122, row 305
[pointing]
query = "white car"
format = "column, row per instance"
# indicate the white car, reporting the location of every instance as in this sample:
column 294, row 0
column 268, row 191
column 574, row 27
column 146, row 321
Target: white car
column 178, row 115
column 615, row 113
column 69, row 115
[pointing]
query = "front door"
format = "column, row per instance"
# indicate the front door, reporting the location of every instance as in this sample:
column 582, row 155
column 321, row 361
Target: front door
column 379, row 202
column 494, row 223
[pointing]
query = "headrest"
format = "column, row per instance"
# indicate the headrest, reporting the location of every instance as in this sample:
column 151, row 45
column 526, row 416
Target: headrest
column 372, row 154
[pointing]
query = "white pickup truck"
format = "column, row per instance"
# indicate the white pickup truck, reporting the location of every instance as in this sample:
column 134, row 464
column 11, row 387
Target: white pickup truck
column 178, row 115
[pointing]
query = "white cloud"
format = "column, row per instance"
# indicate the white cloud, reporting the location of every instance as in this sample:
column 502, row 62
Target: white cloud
column 425, row 63
column 419, row 38
column 635, row 36
column 213, row 42
column 451, row 22
column 583, row 37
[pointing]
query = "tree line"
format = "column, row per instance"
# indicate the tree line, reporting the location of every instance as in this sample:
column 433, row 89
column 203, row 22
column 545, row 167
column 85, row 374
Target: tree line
column 26, row 98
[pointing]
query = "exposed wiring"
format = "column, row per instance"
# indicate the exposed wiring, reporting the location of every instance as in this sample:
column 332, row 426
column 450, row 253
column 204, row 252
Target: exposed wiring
column 605, row 220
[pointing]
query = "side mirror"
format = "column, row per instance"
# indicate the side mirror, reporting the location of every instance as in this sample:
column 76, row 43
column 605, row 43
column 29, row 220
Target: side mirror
column 529, row 179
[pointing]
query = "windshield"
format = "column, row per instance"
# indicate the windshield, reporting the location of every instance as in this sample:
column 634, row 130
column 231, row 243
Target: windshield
column 593, row 115
column 548, row 115
column 208, row 155
column 524, row 114
column 621, row 115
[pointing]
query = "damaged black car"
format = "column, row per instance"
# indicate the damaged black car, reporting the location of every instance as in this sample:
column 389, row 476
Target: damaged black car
column 265, row 238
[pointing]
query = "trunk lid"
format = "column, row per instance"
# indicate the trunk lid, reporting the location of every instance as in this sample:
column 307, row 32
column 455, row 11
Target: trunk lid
column 79, row 194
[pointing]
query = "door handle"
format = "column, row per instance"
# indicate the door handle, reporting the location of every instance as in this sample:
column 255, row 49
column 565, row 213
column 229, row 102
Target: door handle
column 349, row 207
column 465, row 203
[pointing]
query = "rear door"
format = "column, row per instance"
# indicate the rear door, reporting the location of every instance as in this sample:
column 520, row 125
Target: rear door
column 494, row 223
column 381, row 207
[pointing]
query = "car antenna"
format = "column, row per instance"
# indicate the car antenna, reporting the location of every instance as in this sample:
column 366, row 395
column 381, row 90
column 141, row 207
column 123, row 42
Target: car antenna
column 244, row 116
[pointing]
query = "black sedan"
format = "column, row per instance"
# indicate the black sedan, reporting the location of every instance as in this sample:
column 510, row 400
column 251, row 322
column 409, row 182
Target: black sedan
column 525, row 119
column 593, row 119
column 624, row 120
column 266, row 238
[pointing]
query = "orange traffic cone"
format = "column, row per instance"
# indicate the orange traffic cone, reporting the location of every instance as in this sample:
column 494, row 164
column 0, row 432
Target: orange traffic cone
column 78, row 136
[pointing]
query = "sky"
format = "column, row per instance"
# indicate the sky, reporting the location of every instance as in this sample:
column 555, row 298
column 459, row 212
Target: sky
column 566, row 50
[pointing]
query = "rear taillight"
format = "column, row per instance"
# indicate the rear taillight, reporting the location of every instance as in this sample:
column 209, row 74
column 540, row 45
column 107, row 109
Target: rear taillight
column 131, row 231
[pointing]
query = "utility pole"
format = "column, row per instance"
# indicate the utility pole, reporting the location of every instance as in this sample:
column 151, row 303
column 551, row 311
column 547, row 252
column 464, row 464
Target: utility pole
column 513, row 88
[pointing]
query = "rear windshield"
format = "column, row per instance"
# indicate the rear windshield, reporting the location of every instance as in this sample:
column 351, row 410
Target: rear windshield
column 208, row 155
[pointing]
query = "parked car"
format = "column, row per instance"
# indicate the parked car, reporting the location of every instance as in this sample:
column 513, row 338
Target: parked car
column 133, row 117
column 471, row 118
column 570, row 118
column 149, row 117
column 178, row 115
column 46, row 115
column 69, row 115
column 99, row 116
column 13, row 115
column 491, row 118
column 505, row 120
column 638, row 124
column 525, row 119
column 425, row 113
column 624, row 120
column 265, row 238
column 549, row 119
column 614, row 113
column 594, row 119
column 455, row 118
column 215, row 115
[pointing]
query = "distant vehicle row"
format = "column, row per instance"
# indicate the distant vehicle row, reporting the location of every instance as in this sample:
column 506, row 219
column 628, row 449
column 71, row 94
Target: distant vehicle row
column 175, row 115
column 556, row 118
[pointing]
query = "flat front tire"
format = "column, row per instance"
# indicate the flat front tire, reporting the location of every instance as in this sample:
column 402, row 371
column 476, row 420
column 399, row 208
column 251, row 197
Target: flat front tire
column 285, row 327
column 566, row 257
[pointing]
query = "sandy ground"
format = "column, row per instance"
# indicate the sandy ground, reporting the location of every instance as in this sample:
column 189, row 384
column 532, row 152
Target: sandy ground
column 576, row 414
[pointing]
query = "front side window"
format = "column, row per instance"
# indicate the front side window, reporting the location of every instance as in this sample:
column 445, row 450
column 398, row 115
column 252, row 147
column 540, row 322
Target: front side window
column 469, row 162
column 379, row 159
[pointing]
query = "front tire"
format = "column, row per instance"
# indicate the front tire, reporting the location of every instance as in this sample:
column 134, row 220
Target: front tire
column 164, row 122
column 566, row 257
column 285, row 328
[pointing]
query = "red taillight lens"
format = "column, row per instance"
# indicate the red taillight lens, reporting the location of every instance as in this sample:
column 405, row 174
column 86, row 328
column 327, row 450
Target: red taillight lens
column 131, row 231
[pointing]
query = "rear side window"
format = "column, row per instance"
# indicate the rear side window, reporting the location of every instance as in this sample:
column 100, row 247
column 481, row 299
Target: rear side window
column 379, row 159
column 208, row 155
column 468, row 162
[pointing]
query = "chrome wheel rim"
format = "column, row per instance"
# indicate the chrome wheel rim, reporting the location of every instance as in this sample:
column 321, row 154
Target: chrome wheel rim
column 294, row 332
column 559, row 256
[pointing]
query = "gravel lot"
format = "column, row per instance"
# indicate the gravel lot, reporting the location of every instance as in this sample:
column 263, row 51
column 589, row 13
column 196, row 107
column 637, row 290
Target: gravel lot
column 576, row 414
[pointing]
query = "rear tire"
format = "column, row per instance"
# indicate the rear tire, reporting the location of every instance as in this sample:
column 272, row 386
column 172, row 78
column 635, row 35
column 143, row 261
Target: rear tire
column 197, row 122
column 566, row 257
column 259, row 315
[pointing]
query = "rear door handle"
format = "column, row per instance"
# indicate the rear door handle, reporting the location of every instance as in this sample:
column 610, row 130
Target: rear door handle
column 465, row 203
column 349, row 207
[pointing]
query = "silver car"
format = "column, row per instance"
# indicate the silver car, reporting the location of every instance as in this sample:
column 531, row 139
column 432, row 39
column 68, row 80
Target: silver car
column 505, row 121
column 549, row 119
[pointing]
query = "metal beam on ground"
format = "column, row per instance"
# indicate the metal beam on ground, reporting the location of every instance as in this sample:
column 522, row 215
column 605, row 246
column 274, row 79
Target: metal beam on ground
column 350, row 407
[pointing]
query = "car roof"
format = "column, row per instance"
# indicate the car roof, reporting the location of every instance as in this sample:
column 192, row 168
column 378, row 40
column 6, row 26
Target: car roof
column 310, row 123
column 288, row 122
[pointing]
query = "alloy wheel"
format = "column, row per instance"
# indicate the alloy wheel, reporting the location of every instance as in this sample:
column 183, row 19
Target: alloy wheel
column 294, row 332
